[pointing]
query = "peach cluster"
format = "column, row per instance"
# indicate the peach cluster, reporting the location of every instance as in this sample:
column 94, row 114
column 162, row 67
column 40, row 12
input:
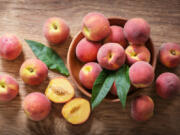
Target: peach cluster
column 109, row 47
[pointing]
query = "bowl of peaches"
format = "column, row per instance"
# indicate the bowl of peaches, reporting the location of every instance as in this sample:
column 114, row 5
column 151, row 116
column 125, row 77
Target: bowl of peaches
column 109, row 43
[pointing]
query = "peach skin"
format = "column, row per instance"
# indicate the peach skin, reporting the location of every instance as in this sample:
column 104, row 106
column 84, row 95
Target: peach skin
column 56, row 30
column 33, row 71
column 86, row 51
column 10, row 46
column 88, row 74
column 116, row 36
column 137, row 31
column 111, row 56
column 9, row 88
column 169, row 54
column 95, row 26
column 136, row 53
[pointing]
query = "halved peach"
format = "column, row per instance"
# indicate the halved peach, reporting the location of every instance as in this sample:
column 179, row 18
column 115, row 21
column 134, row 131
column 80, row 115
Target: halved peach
column 59, row 90
column 76, row 111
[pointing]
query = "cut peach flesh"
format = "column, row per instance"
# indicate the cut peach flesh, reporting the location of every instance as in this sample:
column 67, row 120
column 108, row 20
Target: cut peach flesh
column 76, row 111
column 59, row 90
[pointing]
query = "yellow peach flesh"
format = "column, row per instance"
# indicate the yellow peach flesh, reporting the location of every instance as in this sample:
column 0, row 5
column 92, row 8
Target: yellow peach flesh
column 59, row 90
column 76, row 111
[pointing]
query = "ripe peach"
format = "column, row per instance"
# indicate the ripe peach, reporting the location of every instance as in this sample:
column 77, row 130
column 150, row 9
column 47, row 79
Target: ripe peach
column 169, row 54
column 56, row 30
column 137, row 31
column 141, row 74
column 9, row 88
column 111, row 56
column 167, row 85
column 10, row 47
column 88, row 74
column 59, row 90
column 116, row 36
column 136, row 53
column 142, row 108
column 36, row 106
column 86, row 51
column 95, row 26
column 33, row 71
column 76, row 111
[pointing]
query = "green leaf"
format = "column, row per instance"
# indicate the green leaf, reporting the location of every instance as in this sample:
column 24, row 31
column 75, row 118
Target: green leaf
column 122, row 83
column 101, row 87
column 48, row 56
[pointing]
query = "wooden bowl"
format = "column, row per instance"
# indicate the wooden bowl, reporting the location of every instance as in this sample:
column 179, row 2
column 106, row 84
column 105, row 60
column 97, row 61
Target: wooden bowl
column 74, row 65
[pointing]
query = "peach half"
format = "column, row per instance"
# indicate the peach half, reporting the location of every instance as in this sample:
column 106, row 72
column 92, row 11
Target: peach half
column 136, row 53
column 9, row 88
column 76, row 111
column 59, row 90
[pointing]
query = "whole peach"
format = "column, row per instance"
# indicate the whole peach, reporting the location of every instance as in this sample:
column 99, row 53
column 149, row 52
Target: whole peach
column 86, row 51
column 10, row 47
column 169, row 54
column 56, row 30
column 33, row 71
column 137, row 31
column 167, row 85
column 95, row 26
column 9, row 88
column 141, row 74
column 111, row 56
column 142, row 108
column 88, row 74
column 36, row 106
column 136, row 53
column 116, row 36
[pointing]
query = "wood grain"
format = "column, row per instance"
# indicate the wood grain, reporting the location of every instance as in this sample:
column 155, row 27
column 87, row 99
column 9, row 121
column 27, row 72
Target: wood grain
column 25, row 19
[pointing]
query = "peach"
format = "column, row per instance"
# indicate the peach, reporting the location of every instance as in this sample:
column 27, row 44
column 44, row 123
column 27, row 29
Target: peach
column 56, row 30
column 9, row 88
column 33, row 71
column 142, row 108
column 167, row 85
column 136, row 53
column 137, row 31
column 95, row 26
column 88, row 74
column 169, row 54
column 113, row 89
column 10, row 46
column 76, row 111
column 111, row 56
column 36, row 106
column 86, row 51
column 116, row 36
column 141, row 74
column 59, row 90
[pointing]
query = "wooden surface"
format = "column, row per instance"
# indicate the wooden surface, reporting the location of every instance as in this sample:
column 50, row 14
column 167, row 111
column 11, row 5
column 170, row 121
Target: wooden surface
column 25, row 19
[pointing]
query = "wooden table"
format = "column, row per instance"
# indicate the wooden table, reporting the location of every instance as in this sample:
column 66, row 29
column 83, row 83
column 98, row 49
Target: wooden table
column 25, row 19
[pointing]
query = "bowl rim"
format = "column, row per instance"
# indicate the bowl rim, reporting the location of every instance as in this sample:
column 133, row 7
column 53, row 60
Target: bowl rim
column 83, row 90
